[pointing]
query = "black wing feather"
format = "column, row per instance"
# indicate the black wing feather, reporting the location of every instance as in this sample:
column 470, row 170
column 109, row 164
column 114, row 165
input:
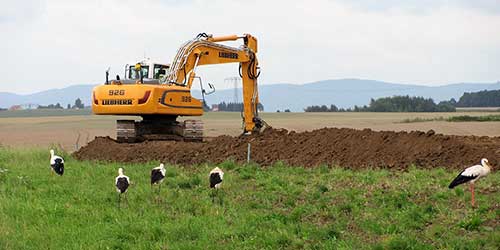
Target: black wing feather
column 122, row 184
column 58, row 166
column 156, row 176
column 460, row 179
column 215, row 179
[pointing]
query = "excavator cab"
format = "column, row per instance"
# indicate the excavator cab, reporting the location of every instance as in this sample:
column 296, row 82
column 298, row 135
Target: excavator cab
column 148, row 69
column 140, row 92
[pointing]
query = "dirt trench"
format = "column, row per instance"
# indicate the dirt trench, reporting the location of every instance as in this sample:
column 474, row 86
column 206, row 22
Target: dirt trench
column 332, row 146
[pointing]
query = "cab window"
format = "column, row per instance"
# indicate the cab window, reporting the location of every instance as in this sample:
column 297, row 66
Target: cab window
column 159, row 71
column 134, row 74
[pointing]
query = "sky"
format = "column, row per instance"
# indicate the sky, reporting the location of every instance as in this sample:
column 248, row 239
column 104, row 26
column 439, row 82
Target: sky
column 49, row 44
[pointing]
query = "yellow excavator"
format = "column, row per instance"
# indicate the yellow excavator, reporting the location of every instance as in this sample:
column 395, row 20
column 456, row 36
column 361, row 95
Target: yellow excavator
column 161, row 95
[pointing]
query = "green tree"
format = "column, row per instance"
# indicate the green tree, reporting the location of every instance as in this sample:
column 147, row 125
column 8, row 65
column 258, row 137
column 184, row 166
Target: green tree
column 392, row 104
column 78, row 104
column 485, row 98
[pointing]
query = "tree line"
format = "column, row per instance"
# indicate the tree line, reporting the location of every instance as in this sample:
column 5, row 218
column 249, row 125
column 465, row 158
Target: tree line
column 236, row 106
column 78, row 105
column 391, row 104
column 485, row 98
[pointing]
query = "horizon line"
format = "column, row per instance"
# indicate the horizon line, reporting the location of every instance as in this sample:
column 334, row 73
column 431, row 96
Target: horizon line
column 279, row 83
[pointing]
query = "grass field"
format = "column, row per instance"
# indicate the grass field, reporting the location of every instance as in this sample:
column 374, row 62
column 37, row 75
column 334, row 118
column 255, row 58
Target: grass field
column 278, row 207
column 44, row 128
column 468, row 118
column 44, row 112
column 460, row 118
column 479, row 109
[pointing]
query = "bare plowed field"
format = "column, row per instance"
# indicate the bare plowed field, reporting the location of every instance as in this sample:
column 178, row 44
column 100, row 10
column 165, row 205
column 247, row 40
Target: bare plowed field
column 333, row 146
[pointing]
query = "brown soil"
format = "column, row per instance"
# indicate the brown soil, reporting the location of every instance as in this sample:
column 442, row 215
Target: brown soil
column 333, row 146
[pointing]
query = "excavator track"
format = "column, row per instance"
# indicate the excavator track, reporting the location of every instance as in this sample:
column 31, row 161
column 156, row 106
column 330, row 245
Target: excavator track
column 131, row 131
column 192, row 130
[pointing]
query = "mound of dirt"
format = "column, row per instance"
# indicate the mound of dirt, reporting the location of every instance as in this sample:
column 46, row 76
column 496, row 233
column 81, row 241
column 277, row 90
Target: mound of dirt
column 333, row 146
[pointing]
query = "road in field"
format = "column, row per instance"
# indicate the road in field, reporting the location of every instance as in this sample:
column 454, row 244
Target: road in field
column 65, row 130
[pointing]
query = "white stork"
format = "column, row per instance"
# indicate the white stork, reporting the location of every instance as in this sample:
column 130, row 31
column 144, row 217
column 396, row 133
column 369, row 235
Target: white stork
column 157, row 176
column 471, row 175
column 122, row 183
column 56, row 163
column 216, row 177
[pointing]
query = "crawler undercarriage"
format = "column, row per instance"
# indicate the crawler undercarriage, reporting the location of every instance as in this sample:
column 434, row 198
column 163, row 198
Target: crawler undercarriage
column 159, row 128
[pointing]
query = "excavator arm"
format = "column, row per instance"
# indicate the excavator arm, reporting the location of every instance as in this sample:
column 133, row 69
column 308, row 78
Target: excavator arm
column 205, row 50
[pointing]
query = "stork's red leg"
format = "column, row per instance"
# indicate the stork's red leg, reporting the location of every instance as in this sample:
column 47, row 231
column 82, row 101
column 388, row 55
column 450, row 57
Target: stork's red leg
column 472, row 195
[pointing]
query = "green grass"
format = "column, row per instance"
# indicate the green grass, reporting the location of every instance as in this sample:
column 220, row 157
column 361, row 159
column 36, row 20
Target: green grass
column 44, row 112
column 460, row 118
column 420, row 119
column 468, row 118
column 276, row 207
column 478, row 109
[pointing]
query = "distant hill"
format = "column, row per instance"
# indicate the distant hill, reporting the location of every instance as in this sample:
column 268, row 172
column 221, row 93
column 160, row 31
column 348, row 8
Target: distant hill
column 63, row 96
column 343, row 93
column 346, row 93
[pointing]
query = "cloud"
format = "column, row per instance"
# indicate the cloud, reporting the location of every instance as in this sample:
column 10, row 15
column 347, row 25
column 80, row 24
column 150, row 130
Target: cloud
column 424, row 6
column 56, row 43
column 20, row 12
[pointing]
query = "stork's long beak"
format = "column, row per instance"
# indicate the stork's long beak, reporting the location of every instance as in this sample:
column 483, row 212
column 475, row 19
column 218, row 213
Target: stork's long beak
column 489, row 165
